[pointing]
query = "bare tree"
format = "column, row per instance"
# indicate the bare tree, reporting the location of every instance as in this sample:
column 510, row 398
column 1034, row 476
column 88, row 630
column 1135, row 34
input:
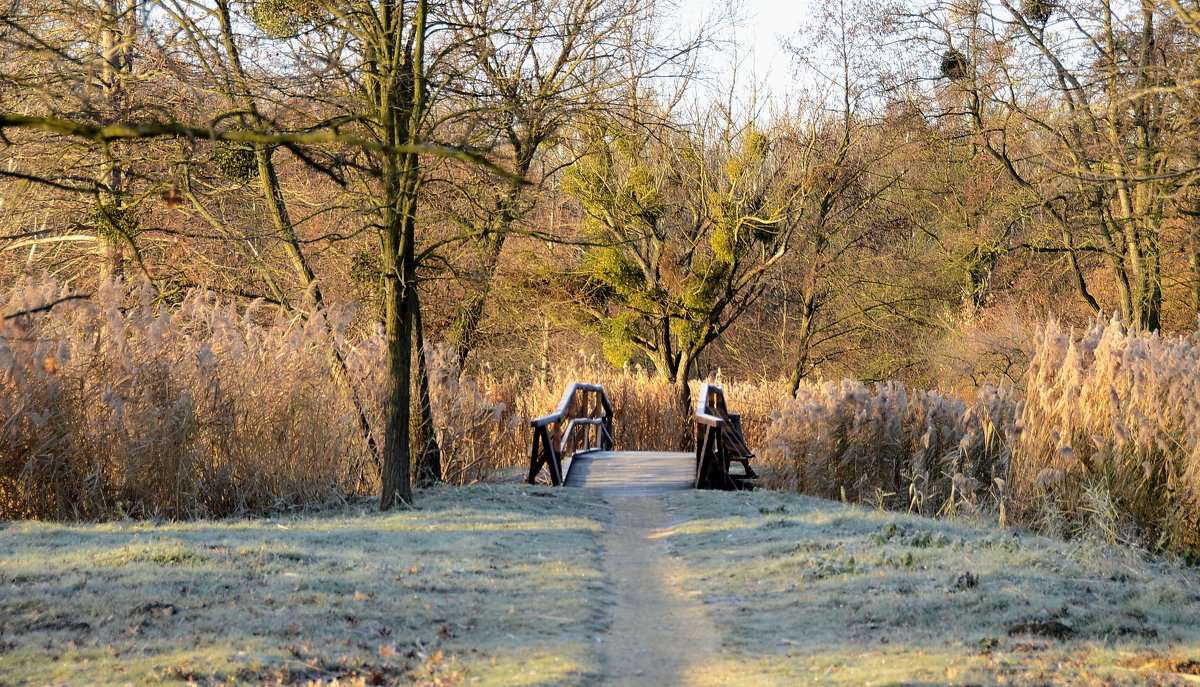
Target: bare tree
column 1076, row 104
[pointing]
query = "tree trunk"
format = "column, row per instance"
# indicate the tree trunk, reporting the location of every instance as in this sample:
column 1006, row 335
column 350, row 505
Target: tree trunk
column 114, row 50
column 397, row 487
column 427, row 455
column 399, row 254
column 545, row 362
column 1150, row 298
column 800, row 370
column 400, row 113
column 272, row 194
column 464, row 331
column 683, row 407
column 1081, row 286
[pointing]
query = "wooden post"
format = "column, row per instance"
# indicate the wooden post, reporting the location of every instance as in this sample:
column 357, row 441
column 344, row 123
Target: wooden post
column 556, row 476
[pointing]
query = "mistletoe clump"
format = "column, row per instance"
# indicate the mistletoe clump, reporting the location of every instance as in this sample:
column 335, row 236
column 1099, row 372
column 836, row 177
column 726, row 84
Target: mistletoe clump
column 235, row 160
column 954, row 65
column 113, row 220
column 365, row 269
column 1037, row 11
column 281, row 19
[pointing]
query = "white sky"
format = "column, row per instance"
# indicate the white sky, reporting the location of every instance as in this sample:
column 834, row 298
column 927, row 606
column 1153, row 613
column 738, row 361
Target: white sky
column 767, row 24
column 755, row 55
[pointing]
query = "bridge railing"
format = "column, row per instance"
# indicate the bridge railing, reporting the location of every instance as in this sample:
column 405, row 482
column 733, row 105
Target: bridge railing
column 583, row 421
column 719, row 443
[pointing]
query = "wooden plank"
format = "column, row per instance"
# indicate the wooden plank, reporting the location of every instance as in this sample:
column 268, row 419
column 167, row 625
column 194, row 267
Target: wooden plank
column 632, row 473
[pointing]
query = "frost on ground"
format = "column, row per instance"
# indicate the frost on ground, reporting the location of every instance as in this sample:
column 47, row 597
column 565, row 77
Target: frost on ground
column 480, row 585
column 504, row 586
column 807, row 591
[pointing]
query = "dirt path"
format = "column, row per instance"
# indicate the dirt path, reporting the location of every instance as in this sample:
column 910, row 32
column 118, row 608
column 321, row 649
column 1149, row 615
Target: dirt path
column 659, row 635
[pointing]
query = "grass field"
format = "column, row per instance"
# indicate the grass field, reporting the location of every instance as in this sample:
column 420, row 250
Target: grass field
column 812, row 592
column 488, row 586
column 501, row 585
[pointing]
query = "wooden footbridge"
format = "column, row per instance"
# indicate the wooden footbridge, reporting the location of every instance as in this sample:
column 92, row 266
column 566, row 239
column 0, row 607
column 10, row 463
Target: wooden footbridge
column 575, row 446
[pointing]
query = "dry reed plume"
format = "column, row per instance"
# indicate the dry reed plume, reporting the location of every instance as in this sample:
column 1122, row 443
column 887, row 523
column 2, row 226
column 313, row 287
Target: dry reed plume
column 888, row 445
column 477, row 434
column 1109, row 435
column 115, row 405
column 1103, row 439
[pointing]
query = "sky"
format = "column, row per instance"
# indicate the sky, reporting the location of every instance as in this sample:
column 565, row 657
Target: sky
column 755, row 55
column 767, row 24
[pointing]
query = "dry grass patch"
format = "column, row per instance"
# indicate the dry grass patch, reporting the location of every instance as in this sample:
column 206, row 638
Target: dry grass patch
column 1109, row 436
column 815, row 592
column 480, row 585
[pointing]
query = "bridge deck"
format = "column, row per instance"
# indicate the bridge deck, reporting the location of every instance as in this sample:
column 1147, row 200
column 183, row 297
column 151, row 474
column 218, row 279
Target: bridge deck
column 632, row 473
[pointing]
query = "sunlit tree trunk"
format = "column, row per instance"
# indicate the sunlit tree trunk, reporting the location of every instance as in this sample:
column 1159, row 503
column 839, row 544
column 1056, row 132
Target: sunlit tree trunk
column 400, row 106
column 427, row 455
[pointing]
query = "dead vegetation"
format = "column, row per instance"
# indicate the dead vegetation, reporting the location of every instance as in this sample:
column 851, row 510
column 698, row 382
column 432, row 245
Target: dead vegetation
column 1108, row 438
column 1101, row 438
column 925, row 451
column 118, row 405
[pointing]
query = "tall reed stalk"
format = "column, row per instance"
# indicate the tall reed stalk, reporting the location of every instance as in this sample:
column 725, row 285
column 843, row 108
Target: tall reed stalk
column 885, row 444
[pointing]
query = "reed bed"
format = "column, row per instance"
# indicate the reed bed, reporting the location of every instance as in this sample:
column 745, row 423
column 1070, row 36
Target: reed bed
column 113, row 405
column 477, row 432
column 116, row 406
column 1108, row 438
column 923, row 451
column 1103, row 440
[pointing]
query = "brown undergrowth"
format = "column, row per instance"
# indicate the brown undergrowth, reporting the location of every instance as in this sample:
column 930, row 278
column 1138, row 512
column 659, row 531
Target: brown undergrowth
column 114, row 405
column 1102, row 439
column 117, row 405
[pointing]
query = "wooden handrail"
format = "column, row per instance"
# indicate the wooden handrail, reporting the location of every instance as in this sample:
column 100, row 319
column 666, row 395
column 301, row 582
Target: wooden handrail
column 563, row 405
column 719, row 442
column 552, row 438
column 711, row 401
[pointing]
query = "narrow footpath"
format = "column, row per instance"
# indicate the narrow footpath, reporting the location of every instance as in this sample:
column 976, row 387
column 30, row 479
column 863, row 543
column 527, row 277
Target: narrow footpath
column 659, row 635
